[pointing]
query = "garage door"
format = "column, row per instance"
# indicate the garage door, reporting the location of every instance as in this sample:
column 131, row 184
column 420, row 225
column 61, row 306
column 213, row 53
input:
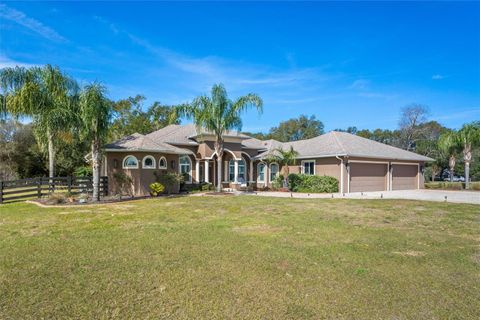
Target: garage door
column 404, row 177
column 368, row 177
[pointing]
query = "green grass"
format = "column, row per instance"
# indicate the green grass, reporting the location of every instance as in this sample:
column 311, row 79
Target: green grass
column 241, row 257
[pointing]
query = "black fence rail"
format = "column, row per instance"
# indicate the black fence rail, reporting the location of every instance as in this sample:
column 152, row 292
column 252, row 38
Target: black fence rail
column 42, row 186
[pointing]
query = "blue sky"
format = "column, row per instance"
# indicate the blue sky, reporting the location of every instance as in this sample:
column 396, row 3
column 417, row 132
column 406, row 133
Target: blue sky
column 347, row 63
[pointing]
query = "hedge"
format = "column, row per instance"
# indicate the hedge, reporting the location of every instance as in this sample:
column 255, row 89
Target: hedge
column 451, row 185
column 312, row 184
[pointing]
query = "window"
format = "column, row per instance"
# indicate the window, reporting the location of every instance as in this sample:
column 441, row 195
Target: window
column 273, row 171
column 231, row 170
column 308, row 167
column 185, row 168
column 162, row 164
column 241, row 171
column 130, row 162
column 261, row 172
column 148, row 162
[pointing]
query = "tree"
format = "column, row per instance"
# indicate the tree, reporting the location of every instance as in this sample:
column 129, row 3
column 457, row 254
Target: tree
column 412, row 117
column 218, row 114
column 284, row 158
column 95, row 113
column 46, row 95
column 351, row 130
column 295, row 129
column 130, row 118
column 448, row 143
column 468, row 137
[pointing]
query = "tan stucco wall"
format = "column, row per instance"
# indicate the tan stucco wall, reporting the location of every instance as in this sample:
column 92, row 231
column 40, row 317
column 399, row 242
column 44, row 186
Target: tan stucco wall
column 141, row 177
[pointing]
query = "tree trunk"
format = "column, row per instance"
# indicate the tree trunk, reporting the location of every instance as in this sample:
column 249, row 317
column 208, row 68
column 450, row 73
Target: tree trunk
column 219, row 174
column 219, row 150
column 451, row 163
column 96, row 170
column 467, row 175
column 51, row 155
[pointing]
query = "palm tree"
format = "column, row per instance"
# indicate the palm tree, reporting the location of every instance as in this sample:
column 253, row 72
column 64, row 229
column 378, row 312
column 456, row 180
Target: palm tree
column 47, row 96
column 284, row 158
column 468, row 137
column 95, row 114
column 218, row 114
column 448, row 143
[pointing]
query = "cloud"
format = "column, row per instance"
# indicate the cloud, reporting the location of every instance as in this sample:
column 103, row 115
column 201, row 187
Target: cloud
column 6, row 62
column 30, row 23
column 438, row 77
column 360, row 84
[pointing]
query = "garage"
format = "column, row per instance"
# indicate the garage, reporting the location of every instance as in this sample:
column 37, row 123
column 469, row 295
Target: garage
column 404, row 177
column 368, row 177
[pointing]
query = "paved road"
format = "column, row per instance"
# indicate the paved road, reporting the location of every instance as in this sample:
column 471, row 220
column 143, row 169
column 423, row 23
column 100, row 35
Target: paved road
column 472, row 197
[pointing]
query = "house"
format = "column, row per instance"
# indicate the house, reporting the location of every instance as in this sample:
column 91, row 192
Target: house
column 359, row 164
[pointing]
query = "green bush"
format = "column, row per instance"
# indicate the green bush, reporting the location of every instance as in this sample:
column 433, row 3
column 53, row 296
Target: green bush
column 312, row 184
column 171, row 181
column 156, row 188
column 446, row 185
column 85, row 171
column 278, row 182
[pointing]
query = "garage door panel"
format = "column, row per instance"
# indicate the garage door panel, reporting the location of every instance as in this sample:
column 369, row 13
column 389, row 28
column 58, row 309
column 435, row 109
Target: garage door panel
column 404, row 177
column 367, row 177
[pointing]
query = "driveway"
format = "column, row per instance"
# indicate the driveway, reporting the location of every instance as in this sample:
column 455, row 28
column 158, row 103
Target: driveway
column 472, row 197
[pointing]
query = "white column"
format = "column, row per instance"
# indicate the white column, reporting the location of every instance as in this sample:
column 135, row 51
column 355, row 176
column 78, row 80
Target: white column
column 206, row 171
column 251, row 170
column 197, row 171
column 236, row 171
column 267, row 174
column 225, row 171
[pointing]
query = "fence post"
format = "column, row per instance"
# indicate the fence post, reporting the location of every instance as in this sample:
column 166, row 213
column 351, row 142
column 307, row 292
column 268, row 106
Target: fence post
column 39, row 187
column 1, row 191
column 69, row 184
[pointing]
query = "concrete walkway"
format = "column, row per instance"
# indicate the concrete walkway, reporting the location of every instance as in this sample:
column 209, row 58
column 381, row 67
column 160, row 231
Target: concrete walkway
column 472, row 197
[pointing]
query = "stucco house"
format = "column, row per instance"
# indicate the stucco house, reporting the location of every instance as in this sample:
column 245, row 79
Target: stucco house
column 359, row 164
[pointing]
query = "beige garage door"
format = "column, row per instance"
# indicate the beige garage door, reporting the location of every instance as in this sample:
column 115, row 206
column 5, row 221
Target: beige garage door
column 368, row 177
column 404, row 177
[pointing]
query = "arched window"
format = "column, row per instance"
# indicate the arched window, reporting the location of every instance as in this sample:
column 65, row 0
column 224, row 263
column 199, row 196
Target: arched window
column 273, row 171
column 261, row 172
column 130, row 162
column 185, row 168
column 148, row 162
column 162, row 164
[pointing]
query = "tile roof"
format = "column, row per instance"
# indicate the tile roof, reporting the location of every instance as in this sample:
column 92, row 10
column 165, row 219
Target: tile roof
column 139, row 142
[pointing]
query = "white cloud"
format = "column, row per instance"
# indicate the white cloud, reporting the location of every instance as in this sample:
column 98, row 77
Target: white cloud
column 30, row 23
column 438, row 77
column 6, row 62
column 360, row 84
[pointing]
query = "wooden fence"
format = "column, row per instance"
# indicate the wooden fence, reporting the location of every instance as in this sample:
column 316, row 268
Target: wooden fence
column 42, row 186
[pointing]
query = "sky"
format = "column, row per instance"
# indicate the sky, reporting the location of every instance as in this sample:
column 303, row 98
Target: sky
column 348, row 63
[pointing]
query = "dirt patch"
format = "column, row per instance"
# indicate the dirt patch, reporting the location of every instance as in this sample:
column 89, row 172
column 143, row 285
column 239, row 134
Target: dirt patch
column 410, row 253
column 258, row 229
column 476, row 258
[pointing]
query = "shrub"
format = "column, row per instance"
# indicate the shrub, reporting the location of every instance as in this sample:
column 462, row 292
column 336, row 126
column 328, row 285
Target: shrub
column 57, row 198
column 170, row 180
column 206, row 186
column 278, row 182
column 444, row 185
column 156, row 188
column 85, row 171
column 312, row 183
column 123, row 182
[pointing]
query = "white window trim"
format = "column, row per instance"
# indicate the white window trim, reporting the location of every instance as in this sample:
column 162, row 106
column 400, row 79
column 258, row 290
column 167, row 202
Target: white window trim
column 160, row 161
column 270, row 171
column 258, row 171
column 303, row 165
column 180, row 170
column 123, row 162
column 154, row 166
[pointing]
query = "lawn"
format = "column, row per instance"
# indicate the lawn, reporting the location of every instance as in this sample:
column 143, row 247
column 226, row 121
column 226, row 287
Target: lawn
column 241, row 258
